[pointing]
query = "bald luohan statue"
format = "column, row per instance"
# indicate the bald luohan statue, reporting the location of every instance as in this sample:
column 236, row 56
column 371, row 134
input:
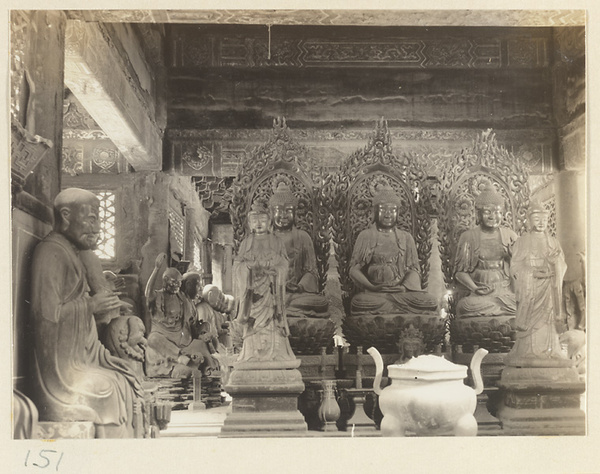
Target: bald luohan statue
column 75, row 376
column 385, row 264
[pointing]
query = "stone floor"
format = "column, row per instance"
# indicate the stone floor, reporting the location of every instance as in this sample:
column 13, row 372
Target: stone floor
column 208, row 422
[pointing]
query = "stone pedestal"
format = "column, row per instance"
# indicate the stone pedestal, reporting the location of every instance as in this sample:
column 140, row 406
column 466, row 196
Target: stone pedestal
column 265, row 400
column 541, row 401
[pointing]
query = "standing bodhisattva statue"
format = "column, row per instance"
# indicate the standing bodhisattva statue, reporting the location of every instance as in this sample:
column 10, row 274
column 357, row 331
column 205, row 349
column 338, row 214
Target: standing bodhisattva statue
column 75, row 378
column 538, row 267
column 260, row 274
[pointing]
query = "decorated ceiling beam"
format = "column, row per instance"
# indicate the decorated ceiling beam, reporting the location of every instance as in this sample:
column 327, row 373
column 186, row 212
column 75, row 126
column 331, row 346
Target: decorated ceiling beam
column 342, row 17
column 97, row 74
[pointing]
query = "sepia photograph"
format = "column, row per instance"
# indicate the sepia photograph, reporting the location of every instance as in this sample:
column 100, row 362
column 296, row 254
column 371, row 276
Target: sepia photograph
column 287, row 228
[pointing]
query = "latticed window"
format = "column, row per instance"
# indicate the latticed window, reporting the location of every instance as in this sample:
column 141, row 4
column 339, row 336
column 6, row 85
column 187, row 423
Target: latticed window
column 177, row 228
column 106, row 247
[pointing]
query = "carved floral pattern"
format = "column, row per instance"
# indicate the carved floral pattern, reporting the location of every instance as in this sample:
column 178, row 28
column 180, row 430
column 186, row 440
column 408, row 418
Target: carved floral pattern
column 197, row 158
column 105, row 158
column 72, row 160
column 281, row 158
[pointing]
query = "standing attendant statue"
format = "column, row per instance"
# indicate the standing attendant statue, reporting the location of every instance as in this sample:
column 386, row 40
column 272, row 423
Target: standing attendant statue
column 385, row 264
column 260, row 273
column 537, row 267
column 482, row 261
column 75, row 378
column 302, row 298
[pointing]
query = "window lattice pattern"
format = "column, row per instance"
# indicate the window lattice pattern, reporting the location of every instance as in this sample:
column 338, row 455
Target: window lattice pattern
column 106, row 247
column 177, row 228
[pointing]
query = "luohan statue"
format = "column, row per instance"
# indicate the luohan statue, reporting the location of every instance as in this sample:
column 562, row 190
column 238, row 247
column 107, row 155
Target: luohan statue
column 75, row 376
column 385, row 264
column 302, row 284
column 482, row 261
column 260, row 273
column 172, row 349
column 538, row 267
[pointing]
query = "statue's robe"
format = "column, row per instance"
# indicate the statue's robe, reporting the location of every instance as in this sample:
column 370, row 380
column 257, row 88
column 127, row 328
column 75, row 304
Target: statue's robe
column 383, row 258
column 75, row 376
column 539, row 300
column 302, row 270
column 486, row 258
column 260, row 273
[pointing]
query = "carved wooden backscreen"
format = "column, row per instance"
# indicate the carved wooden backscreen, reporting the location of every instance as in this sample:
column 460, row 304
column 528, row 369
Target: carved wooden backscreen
column 350, row 196
column 462, row 180
column 281, row 158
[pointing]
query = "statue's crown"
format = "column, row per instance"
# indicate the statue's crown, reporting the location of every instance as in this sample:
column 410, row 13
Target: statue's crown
column 489, row 197
column 384, row 194
column 283, row 196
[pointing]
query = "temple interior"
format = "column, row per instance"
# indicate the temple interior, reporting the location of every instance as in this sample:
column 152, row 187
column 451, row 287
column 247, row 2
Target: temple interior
column 376, row 131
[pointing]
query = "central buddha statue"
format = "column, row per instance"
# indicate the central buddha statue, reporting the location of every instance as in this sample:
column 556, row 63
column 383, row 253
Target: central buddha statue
column 385, row 265
column 302, row 298
column 482, row 261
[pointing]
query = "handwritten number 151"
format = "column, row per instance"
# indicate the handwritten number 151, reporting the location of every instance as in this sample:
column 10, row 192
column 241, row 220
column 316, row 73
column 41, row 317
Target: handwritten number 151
column 45, row 457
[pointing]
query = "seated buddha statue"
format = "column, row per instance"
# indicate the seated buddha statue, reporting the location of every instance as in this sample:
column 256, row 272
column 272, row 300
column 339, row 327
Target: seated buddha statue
column 385, row 264
column 302, row 298
column 482, row 261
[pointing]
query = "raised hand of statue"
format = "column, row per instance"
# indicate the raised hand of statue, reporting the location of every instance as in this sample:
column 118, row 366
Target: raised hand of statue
column 104, row 302
column 543, row 273
column 160, row 259
column 483, row 290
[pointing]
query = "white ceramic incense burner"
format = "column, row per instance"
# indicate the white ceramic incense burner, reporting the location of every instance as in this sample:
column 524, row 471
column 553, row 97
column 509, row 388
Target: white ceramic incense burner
column 427, row 396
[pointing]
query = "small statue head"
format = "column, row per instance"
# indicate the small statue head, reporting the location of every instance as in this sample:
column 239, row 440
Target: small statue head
column 410, row 343
column 172, row 280
column 385, row 206
column 191, row 282
column 489, row 205
column 537, row 216
column 259, row 218
column 204, row 332
column 125, row 338
column 213, row 296
column 76, row 216
column 283, row 204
